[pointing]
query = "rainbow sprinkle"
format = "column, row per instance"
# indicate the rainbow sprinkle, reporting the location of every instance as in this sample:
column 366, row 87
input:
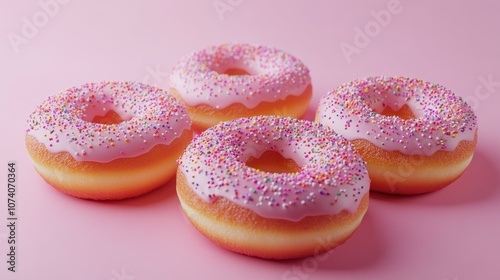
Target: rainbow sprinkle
column 200, row 77
column 332, row 178
column 442, row 119
column 148, row 116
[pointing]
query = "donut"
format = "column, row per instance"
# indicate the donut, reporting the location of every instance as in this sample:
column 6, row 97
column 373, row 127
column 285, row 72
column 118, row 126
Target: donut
column 273, row 187
column 415, row 136
column 229, row 81
column 108, row 140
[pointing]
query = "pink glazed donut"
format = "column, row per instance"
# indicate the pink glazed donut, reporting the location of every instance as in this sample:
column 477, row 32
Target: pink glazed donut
column 271, row 187
column 229, row 81
column 108, row 140
column 415, row 136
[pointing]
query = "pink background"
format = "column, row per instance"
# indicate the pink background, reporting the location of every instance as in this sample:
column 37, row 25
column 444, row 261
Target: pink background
column 451, row 234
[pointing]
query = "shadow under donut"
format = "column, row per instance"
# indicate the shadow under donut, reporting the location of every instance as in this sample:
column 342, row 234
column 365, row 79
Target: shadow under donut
column 478, row 183
column 365, row 248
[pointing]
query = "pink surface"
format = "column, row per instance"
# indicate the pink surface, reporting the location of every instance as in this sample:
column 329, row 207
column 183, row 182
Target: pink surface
column 450, row 234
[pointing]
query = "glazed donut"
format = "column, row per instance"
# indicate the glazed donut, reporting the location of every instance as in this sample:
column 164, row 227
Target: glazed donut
column 109, row 140
column 415, row 136
column 273, row 187
column 224, row 82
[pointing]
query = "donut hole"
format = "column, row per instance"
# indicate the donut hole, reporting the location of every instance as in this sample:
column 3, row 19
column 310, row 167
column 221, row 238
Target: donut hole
column 274, row 162
column 236, row 68
column 404, row 112
column 389, row 102
column 111, row 117
column 106, row 113
column 236, row 72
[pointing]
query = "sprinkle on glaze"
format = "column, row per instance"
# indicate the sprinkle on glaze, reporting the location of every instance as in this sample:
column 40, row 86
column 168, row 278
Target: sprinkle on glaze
column 333, row 176
column 273, row 74
column 63, row 123
column 442, row 119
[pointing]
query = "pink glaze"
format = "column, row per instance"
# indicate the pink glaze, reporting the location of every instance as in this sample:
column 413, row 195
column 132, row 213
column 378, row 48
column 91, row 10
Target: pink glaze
column 441, row 121
column 63, row 123
column 273, row 75
column 332, row 178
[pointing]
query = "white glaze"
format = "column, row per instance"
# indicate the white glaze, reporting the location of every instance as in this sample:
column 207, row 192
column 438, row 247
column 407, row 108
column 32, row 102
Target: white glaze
column 442, row 119
column 333, row 176
column 273, row 75
column 63, row 123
